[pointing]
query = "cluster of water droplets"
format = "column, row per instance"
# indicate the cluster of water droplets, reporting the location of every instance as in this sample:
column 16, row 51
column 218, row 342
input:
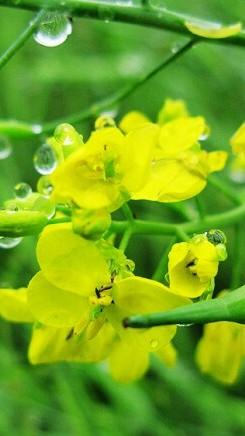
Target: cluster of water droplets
column 5, row 147
column 54, row 29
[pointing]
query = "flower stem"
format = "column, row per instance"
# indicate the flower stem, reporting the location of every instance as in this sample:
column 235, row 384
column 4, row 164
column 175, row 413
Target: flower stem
column 139, row 14
column 21, row 39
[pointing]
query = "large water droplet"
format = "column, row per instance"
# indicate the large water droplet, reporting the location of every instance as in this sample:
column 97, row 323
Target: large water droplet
column 7, row 243
column 22, row 190
column 53, row 30
column 5, row 147
column 45, row 160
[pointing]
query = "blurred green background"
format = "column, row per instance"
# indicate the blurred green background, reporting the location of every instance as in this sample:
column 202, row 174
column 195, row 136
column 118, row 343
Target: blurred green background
column 41, row 84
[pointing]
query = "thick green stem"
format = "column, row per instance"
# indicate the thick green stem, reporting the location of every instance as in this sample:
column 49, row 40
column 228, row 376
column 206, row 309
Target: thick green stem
column 21, row 223
column 228, row 308
column 117, row 11
column 21, row 39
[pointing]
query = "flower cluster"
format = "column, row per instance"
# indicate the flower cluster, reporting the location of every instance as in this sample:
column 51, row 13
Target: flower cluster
column 86, row 286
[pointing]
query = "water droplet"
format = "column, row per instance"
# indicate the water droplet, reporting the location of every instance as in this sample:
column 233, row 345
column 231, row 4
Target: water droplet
column 44, row 186
column 8, row 243
column 53, row 30
column 45, row 160
column 5, row 147
column 22, row 190
column 154, row 343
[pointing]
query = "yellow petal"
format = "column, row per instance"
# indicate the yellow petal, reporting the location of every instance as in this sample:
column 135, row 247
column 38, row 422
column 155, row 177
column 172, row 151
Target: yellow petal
column 182, row 280
column 132, row 120
column 53, row 306
column 238, row 140
column 219, row 351
column 179, row 135
column 171, row 110
column 213, row 30
column 137, row 295
column 127, row 363
column 216, row 160
column 13, row 305
column 137, row 156
column 81, row 178
column 168, row 355
column 171, row 181
column 69, row 261
column 49, row 344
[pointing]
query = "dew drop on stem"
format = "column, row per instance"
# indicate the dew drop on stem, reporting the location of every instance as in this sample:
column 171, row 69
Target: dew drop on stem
column 53, row 30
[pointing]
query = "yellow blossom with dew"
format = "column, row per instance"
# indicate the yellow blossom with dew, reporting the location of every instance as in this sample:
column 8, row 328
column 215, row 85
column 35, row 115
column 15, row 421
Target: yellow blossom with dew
column 193, row 265
column 81, row 296
column 106, row 170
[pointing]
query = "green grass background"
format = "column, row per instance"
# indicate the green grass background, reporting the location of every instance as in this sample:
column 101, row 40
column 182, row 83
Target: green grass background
column 40, row 84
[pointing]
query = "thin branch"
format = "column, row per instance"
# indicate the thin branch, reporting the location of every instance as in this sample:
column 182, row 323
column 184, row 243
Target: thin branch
column 127, row 13
column 21, row 39
column 13, row 128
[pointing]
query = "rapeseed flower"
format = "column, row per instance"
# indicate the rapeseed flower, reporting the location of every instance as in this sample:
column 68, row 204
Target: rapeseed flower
column 81, row 296
column 193, row 265
column 107, row 169
column 180, row 167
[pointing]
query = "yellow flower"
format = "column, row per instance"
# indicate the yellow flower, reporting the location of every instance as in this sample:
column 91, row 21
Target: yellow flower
column 179, row 167
column 237, row 167
column 221, row 349
column 193, row 265
column 213, row 30
column 105, row 171
column 81, row 296
column 238, row 140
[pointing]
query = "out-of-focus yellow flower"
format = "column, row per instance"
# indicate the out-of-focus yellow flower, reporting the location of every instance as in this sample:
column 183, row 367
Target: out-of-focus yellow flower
column 221, row 349
column 193, row 265
column 238, row 140
column 237, row 166
column 81, row 299
column 107, row 169
column 213, row 30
